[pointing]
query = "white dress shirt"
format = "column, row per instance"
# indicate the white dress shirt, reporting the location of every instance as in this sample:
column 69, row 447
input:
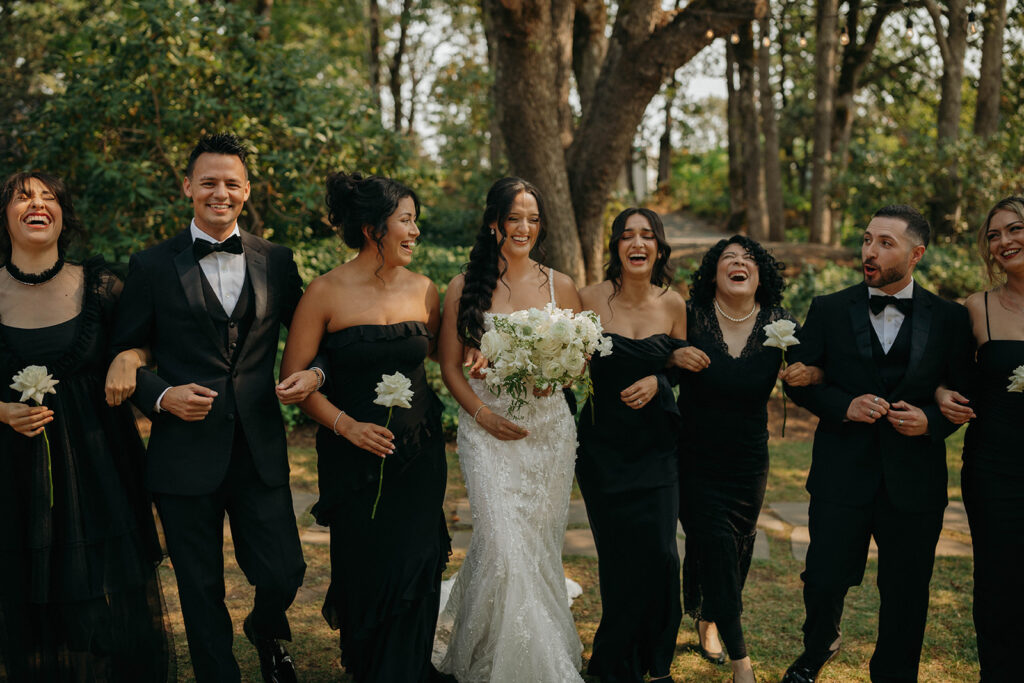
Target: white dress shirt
column 888, row 321
column 224, row 271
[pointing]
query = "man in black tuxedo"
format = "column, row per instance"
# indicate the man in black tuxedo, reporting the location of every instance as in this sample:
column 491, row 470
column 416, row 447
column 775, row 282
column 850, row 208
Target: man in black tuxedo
column 879, row 459
column 210, row 303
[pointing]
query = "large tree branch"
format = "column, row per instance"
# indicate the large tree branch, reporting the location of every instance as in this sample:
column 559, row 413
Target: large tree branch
column 940, row 32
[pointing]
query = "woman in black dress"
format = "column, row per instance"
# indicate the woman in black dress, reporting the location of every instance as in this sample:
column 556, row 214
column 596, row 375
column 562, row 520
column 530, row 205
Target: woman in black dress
column 992, row 478
column 79, row 594
column 723, row 446
column 371, row 317
column 626, row 463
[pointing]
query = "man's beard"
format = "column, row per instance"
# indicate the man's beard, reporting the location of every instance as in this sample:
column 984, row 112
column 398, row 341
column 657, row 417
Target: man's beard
column 886, row 277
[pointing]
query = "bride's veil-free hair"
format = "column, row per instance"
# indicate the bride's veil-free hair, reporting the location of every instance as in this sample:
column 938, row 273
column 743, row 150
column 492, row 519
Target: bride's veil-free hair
column 486, row 263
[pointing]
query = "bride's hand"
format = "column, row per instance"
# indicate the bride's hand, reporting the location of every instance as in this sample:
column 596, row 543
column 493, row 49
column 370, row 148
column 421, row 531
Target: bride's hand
column 542, row 393
column 499, row 427
column 475, row 361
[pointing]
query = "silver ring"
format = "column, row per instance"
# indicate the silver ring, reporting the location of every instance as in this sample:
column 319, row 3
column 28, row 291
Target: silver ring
column 901, row 423
column 871, row 413
column 874, row 400
column 639, row 401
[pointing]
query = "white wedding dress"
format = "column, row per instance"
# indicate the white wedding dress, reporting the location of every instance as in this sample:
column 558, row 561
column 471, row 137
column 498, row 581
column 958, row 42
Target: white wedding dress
column 507, row 619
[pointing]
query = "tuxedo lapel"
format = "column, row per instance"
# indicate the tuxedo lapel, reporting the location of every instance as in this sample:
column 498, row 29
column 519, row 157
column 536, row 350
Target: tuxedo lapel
column 921, row 321
column 860, row 324
column 256, row 265
column 191, row 282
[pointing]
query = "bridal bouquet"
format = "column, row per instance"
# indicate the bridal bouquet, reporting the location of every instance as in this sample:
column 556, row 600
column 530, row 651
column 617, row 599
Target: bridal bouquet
column 34, row 382
column 540, row 349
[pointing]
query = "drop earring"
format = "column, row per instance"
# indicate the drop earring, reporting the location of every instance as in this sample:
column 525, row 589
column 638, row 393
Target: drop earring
column 492, row 231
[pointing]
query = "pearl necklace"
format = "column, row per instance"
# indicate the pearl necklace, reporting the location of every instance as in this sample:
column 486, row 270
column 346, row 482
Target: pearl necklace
column 729, row 317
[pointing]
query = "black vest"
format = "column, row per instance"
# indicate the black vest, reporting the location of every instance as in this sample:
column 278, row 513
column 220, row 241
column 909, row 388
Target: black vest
column 892, row 366
column 231, row 329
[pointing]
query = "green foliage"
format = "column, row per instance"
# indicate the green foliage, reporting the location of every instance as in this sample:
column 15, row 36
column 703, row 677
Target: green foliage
column 136, row 87
column 952, row 271
column 701, row 182
column 813, row 281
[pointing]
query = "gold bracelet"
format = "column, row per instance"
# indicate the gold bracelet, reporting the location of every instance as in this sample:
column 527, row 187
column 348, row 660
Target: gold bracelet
column 334, row 427
column 482, row 406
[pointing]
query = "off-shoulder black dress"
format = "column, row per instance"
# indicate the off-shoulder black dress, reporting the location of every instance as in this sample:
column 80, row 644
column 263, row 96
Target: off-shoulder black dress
column 723, row 450
column 627, row 471
column 385, row 572
column 79, row 593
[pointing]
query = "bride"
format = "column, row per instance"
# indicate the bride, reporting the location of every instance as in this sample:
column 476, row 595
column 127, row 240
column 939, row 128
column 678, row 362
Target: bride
column 508, row 618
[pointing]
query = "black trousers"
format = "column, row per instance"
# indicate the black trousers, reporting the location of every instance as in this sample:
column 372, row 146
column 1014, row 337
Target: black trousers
column 838, row 551
column 267, row 549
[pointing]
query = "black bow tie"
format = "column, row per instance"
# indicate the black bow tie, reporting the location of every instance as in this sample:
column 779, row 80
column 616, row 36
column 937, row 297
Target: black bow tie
column 201, row 247
column 878, row 304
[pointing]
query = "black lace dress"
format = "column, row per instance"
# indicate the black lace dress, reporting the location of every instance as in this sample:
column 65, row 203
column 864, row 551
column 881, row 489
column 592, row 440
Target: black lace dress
column 627, row 471
column 723, row 453
column 79, row 594
column 992, row 480
column 385, row 572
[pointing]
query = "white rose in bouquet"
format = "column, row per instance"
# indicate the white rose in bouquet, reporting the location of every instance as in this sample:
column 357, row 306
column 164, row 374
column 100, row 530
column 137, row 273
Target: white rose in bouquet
column 1017, row 380
column 493, row 343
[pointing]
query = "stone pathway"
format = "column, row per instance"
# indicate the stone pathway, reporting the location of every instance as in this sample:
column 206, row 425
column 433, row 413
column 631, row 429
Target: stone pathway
column 776, row 517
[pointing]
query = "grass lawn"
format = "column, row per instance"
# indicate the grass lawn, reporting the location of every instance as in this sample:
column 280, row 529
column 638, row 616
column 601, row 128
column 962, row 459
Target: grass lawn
column 774, row 607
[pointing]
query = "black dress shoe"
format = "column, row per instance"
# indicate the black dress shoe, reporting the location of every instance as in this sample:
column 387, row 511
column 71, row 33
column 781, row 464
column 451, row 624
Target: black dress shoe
column 276, row 664
column 807, row 667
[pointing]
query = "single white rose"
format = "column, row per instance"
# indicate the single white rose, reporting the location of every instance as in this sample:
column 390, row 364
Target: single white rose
column 573, row 361
column 394, row 390
column 547, row 347
column 34, row 382
column 780, row 334
column 492, row 344
column 1017, row 380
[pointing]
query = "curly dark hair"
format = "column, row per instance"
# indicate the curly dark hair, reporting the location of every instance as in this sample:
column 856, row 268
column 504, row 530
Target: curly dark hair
column 771, row 282
column 71, row 226
column 218, row 143
column 660, row 275
column 487, row 264
column 354, row 202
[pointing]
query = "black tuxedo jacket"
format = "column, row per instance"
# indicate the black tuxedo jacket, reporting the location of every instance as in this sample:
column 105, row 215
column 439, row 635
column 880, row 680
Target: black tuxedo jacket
column 163, row 308
column 852, row 460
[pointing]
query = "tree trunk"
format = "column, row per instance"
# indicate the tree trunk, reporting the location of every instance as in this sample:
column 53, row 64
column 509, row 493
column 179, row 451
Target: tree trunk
column 753, row 171
column 770, row 126
column 395, row 69
column 262, row 10
column 737, row 192
column 665, row 143
column 945, row 205
column 373, row 52
column 589, row 47
column 648, row 45
column 990, row 82
column 824, row 80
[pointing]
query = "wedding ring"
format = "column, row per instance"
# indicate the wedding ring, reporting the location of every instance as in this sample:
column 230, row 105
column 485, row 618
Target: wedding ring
column 901, row 423
column 874, row 400
column 871, row 413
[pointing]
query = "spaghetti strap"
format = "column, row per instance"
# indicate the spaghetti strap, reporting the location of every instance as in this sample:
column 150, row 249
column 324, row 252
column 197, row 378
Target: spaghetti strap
column 988, row 328
column 551, row 285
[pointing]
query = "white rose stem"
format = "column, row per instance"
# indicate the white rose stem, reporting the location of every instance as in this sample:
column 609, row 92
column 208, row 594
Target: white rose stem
column 380, row 481
column 783, row 396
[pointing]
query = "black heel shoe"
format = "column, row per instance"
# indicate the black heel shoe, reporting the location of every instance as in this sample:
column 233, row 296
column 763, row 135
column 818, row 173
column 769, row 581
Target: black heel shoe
column 713, row 657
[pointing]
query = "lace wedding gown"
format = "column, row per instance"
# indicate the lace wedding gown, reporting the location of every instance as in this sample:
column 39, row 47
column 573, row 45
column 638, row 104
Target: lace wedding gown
column 507, row 619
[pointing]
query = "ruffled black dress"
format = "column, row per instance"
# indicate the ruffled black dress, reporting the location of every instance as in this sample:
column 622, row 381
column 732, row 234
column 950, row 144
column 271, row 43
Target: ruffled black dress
column 723, row 453
column 385, row 572
column 627, row 471
column 992, row 480
column 79, row 594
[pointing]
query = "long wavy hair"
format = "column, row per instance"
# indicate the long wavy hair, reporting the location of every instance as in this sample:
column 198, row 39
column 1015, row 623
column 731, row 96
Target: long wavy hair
column 770, row 280
column 1014, row 204
column 354, row 202
column 487, row 264
column 660, row 275
column 71, row 227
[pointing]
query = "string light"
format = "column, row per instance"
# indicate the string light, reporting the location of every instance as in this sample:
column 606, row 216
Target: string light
column 734, row 38
column 910, row 28
column 709, row 34
column 802, row 40
column 844, row 37
column 766, row 41
column 971, row 26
